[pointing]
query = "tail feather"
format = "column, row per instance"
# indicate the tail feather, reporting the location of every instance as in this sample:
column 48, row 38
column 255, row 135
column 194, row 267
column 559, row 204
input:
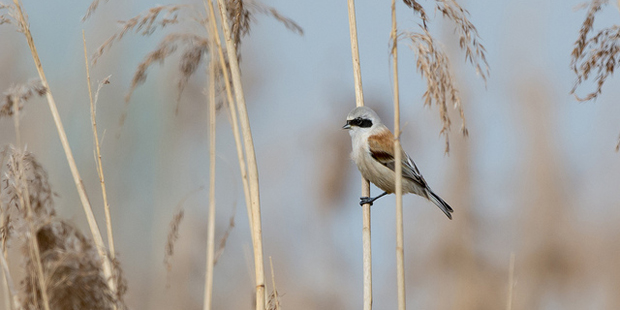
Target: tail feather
column 440, row 203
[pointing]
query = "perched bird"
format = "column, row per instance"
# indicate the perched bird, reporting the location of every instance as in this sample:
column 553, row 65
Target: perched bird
column 373, row 153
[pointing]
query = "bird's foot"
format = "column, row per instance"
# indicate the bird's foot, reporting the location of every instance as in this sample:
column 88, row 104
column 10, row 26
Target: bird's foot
column 366, row 200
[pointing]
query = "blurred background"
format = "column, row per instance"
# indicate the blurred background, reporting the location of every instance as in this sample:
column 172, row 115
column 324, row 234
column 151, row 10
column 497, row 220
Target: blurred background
column 536, row 177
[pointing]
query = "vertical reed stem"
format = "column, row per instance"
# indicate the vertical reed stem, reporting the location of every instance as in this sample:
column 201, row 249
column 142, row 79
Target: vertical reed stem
column 400, row 245
column 211, row 224
column 359, row 101
column 106, row 205
column 231, row 108
column 250, row 157
column 90, row 217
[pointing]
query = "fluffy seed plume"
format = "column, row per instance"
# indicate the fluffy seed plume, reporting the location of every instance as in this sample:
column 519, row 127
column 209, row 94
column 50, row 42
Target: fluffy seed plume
column 598, row 54
column 469, row 40
column 17, row 95
column 5, row 18
column 144, row 24
column 72, row 269
column 91, row 9
column 434, row 66
column 241, row 15
column 23, row 168
column 195, row 47
column 70, row 262
column 417, row 7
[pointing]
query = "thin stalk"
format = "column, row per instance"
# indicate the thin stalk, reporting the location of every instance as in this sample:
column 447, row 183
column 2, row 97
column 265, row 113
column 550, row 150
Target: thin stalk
column 106, row 205
column 250, row 156
column 398, row 183
column 359, row 101
column 90, row 217
column 511, row 274
column 231, row 108
column 211, row 224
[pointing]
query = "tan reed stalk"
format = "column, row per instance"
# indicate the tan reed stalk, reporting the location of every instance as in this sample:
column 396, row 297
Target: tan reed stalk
column 106, row 205
column 93, row 116
column 211, row 224
column 250, row 157
column 231, row 108
column 359, row 101
column 511, row 279
column 400, row 244
column 92, row 223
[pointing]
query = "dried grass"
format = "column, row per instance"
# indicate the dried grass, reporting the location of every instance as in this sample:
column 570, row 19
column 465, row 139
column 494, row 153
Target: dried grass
column 433, row 63
column 175, row 225
column 72, row 269
column 273, row 302
column 241, row 16
column 70, row 262
column 417, row 7
column 195, row 47
column 597, row 54
column 6, row 18
column 17, row 95
column 23, row 168
column 91, row 9
column 469, row 39
column 222, row 243
column 143, row 24
column 434, row 66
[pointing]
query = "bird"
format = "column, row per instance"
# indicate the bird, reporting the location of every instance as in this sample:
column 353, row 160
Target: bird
column 373, row 153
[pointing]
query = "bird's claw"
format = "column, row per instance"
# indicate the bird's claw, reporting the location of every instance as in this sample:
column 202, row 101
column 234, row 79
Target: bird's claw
column 366, row 200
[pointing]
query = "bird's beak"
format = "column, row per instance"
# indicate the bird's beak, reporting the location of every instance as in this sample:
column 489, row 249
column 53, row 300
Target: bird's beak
column 346, row 126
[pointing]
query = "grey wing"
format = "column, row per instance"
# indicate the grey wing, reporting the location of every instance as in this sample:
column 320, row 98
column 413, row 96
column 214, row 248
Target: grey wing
column 410, row 170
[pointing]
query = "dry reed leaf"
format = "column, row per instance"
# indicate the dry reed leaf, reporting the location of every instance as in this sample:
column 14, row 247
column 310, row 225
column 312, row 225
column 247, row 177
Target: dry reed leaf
column 434, row 66
column 17, row 95
column 597, row 54
column 144, row 24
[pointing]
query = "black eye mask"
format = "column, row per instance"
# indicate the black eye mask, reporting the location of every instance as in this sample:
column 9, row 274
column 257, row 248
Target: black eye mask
column 360, row 122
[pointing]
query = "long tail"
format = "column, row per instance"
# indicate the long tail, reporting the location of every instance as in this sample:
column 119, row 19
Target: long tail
column 440, row 203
